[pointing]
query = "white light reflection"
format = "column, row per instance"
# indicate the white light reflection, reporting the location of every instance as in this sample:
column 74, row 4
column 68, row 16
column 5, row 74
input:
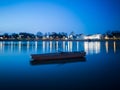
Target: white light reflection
column 47, row 45
column 106, row 45
column 1, row 46
column 11, row 46
column 114, row 43
column 57, row 45
column 92, row 47
column 70, row 46
column 97, row 47
column 66, row 47
column 43, row 45
column 19, row 43
column 63, row 45
column 28, row 45
column 86, row 48
column 50, row 46
column 36, row 44
column 77, row 46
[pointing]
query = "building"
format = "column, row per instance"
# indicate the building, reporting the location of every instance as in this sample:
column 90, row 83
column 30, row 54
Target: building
column 80, row 37
column 93, row 37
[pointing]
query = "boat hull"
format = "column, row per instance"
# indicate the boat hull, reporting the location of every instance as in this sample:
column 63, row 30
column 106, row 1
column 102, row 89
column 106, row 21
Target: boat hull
column 58, row 56
column 62, row 61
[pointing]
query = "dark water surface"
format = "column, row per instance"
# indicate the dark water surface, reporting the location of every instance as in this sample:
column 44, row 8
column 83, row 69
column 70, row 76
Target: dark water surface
column 100, row 70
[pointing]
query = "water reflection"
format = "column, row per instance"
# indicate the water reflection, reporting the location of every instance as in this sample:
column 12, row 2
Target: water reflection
column 77, row 46
column 70, row 46
column 43, row 46
column 94, row 47
column 11, row 46
column 114, row 43
column 57, row 45
column 50, row 46
column 1, row 46
column 64, row 47
column 36, row 44
column 28, row 44
column 47, row 46
column 106, row 45
column 109, row 45
column 19, row 43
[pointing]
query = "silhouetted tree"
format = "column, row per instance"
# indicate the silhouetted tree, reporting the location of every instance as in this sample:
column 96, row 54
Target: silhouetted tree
column 109, row 34
column 25, row 35
column 116, row 33
column 15, row 35
column 6, row 35
column 39, row 35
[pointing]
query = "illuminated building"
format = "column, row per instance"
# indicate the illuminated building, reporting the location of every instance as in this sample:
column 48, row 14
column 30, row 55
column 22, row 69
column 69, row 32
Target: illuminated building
column 93, row 37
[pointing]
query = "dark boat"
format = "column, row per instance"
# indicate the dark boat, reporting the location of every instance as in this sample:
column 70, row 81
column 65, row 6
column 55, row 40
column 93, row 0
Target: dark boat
column 58, row 56
column 63, row 61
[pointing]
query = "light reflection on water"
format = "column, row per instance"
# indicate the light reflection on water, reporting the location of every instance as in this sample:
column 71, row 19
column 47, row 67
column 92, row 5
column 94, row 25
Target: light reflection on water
column 106, row 45
column 114, row 46
column 92, row 47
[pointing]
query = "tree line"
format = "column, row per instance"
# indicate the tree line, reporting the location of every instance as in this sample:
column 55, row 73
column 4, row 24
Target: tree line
column 31, row 36
column 53, row 35
column 112, row 34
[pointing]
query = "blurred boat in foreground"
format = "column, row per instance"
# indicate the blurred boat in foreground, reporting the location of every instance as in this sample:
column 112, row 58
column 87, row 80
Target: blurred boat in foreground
column 53, row 57
column 57, row 56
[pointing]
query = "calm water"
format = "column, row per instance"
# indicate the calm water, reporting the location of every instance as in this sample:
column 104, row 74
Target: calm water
column 100, row 70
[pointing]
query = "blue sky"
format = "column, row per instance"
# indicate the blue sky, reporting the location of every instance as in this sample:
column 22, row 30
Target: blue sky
column 80, row 16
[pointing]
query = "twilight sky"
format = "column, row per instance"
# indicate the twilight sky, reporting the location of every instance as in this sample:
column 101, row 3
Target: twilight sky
column 80, row 16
